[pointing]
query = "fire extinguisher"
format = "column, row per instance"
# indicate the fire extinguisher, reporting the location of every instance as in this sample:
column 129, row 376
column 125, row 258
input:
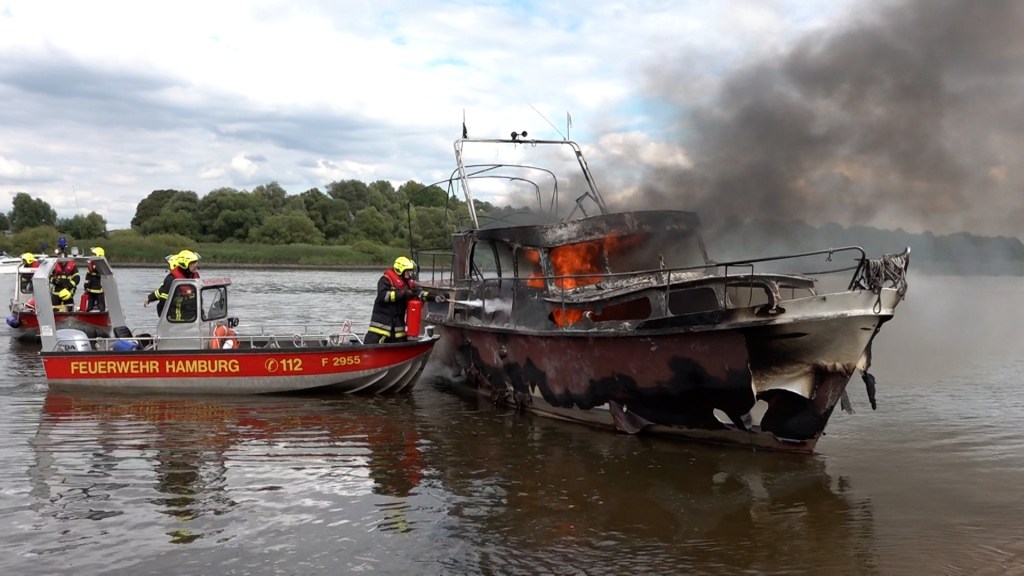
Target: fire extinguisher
column 83, row 302
column 413, row 317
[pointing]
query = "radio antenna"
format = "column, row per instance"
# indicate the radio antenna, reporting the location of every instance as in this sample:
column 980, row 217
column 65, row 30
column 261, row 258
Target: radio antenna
column 549, row 122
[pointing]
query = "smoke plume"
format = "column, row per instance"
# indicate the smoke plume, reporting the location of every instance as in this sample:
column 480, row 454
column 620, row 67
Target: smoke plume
column 908, row 115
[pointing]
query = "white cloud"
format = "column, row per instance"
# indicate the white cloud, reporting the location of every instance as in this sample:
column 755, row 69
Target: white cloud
column 14, row 170
column 243, row 166
column 121, row 98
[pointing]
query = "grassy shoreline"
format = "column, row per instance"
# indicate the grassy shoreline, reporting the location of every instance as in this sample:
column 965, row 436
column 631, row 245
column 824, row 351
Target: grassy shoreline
column 205, row 265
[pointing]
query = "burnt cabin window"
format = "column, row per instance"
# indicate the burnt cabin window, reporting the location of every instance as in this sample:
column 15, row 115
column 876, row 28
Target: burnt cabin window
column 692, row 300
column 505, row 260
column 644, row 251
column 485, row 263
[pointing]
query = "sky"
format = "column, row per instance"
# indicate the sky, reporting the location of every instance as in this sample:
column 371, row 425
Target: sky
column 888, row 113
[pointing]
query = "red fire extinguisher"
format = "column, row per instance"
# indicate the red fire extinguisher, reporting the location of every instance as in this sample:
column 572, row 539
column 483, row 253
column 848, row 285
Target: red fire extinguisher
column 84, row 301
column 413, row 317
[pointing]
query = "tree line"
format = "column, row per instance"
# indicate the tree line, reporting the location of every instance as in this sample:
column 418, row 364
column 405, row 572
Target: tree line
column 347, row 212
column 354, row 223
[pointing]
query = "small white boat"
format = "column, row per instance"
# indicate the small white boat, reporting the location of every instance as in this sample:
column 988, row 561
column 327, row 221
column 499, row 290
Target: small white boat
column 9, row 264
column 23, row 321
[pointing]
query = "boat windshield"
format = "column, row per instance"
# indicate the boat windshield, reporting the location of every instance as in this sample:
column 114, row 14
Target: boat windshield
column 215, row 303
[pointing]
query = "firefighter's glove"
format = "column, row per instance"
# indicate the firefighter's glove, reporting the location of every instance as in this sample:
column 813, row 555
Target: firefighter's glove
column 64, row 294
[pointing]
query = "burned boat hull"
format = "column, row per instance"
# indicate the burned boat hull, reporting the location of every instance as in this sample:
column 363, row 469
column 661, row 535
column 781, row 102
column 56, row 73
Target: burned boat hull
column 770, row 385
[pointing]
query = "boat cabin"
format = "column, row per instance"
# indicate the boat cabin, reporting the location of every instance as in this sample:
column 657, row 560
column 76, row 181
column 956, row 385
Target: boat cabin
column 613, row 271
column 194, row 311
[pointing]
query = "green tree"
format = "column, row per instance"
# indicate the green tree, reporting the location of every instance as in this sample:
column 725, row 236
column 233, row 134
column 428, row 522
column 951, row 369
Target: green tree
column 91, row 226
column 5, row 221
column 417, row 195
column 182, row 202
column 174, row 222
column 151, row 206
column 226, row 213
column 272, row 195
column 38, row 239
column 431, row 228
column 370, row 224
column 331, row 216
column 287, row 228
column 29, row 212
column 355, row 193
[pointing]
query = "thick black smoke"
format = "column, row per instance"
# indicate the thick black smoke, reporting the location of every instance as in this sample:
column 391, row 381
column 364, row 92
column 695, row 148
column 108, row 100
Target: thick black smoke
column 908, row 115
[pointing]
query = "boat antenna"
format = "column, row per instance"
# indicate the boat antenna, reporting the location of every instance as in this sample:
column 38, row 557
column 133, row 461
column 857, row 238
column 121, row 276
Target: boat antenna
column 465, row 133
column 568, row 123
column 549, row 122
column 78, row 209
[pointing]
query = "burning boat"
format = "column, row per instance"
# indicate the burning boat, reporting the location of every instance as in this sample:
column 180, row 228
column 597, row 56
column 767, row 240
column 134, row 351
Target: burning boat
column 622, row 320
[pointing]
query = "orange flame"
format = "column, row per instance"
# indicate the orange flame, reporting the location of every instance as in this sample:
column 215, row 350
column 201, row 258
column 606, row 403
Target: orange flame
column 567, row 317
column 577, row 260
column 531, row 259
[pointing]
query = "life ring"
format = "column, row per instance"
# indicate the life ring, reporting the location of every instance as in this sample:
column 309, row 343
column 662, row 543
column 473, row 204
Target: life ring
column 224, row 338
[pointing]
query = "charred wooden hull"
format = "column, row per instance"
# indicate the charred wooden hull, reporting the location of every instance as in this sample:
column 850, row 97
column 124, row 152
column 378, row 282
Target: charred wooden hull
column 770, row 383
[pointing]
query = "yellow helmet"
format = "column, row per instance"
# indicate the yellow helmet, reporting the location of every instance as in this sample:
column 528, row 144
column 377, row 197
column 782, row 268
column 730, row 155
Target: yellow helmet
column 402, row 264
column 186, row 258
column 28, row 257
column 97, row 251
column 172, row 261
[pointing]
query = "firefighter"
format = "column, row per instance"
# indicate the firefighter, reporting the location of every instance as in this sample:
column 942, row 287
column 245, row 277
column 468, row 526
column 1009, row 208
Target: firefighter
column 394, row 290
column 95, row 299
column 184, row 264
column 28, row 260
column 64, row 280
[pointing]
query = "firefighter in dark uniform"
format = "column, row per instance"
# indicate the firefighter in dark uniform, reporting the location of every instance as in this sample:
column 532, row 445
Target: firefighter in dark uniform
column 28, row 260
column 95, row 299
column 184, row 264
column 394, row 289
column 64, row 280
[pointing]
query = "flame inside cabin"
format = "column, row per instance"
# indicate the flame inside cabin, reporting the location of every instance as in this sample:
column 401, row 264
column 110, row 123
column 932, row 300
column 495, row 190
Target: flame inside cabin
column 573, row 264
column 577, row 265
column 530, row 263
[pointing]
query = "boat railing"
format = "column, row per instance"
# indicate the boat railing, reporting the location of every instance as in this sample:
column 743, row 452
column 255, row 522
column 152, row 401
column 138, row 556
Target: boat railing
column 303, row 334
column 246, row 336
column 439, row 263
column 492, row 298
column 469, row 171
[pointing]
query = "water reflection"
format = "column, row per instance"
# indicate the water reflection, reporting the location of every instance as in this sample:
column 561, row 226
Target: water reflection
column 542, row 496
column 201, row 462
column 21, row 360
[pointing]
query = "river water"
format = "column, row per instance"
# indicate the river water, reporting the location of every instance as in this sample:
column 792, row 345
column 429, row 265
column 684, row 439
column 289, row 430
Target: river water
column 436, row 483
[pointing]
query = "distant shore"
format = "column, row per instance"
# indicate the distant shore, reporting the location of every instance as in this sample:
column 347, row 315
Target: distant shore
column 221, row 266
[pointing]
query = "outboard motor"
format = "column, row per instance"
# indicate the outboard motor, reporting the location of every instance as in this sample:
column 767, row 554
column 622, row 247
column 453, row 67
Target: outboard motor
column 71, row 340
